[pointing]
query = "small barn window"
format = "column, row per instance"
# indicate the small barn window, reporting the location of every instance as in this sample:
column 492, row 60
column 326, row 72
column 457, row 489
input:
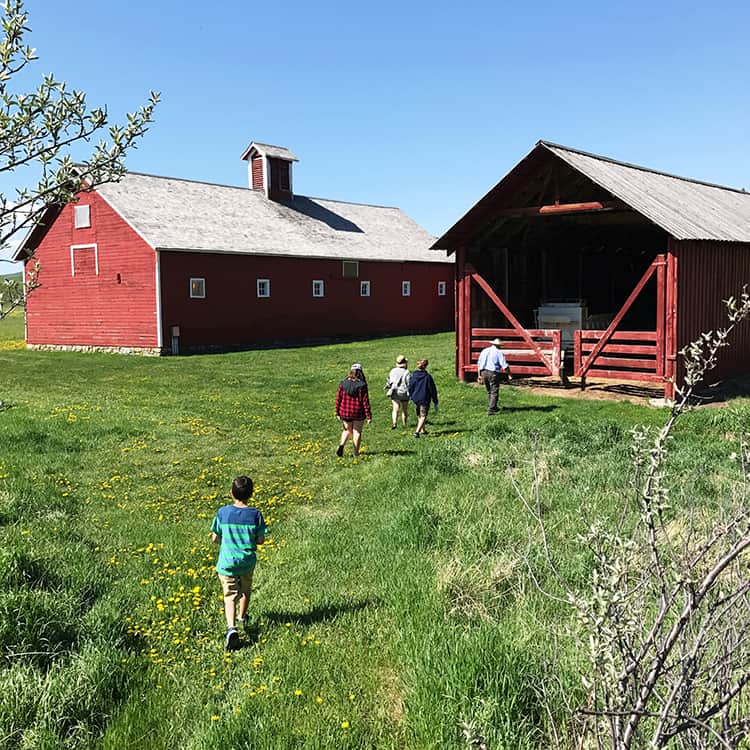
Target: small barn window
column 318, row 288
column 350, row 269
column 406, row 288
column 197, row 288
column 442, row 288
column 82, row 216
column 364, row 288
column 84, row 260
column 263, row 287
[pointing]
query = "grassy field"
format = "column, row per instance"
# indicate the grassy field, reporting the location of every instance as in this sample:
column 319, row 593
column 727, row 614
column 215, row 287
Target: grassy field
column 391, row 601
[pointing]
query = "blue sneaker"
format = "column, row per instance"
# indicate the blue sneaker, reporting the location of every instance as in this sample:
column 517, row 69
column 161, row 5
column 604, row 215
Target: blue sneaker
column 232, row 640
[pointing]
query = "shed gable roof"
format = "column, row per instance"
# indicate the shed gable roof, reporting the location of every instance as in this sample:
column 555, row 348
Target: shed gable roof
column 686, row 209
column 183, row 215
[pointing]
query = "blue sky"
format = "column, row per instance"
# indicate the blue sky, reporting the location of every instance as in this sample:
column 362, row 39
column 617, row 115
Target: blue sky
column 423, row 105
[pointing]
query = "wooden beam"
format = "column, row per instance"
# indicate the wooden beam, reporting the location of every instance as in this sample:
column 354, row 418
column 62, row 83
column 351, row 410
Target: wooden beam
column 563, row 208
column 670, row 324
column 508, row 315
column 459, row 311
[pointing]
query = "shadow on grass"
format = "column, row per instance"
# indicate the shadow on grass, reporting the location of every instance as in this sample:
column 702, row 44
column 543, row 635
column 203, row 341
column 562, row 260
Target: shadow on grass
column 448, row 431
column 251, row 636
column 507, row 409
column 390, row 452
column 323, row 613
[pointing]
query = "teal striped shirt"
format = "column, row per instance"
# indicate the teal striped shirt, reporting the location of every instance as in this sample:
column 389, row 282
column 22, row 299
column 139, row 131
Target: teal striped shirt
column 239, row 529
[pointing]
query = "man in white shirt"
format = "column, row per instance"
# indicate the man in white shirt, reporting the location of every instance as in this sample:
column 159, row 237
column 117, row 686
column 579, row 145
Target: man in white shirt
column 490, row 364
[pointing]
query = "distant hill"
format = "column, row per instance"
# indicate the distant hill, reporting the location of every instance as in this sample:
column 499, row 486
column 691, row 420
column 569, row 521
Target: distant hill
column 12, row 276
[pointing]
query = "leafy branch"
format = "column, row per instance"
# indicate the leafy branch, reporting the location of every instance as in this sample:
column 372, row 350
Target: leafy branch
column 39, row 128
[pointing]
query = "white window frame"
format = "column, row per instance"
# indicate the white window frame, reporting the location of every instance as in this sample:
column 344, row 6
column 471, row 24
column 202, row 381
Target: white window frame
column 442, row 288
column 202, row 279
column 259, row 287
column 364, row 288
column 81, row 218
column 318, row 288
column 73, row 248
column 355, row 263
column 406, row 288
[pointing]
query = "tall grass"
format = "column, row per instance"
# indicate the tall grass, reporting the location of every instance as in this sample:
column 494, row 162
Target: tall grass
column 392, row 602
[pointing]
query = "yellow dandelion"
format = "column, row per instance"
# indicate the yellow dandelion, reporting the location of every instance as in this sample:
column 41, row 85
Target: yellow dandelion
column 215, row 717
column 298, row 692
column 344, row 724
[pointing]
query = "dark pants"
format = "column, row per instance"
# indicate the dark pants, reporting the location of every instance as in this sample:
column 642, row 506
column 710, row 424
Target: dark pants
column 492, row 384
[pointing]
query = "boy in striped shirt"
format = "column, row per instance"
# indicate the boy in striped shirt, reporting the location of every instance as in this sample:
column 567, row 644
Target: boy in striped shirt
column 239, row 529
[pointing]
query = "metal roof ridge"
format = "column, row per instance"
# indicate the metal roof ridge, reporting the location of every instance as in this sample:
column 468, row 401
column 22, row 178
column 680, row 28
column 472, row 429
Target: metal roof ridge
column 249, row 190
column 184, row 179
column 639, row 167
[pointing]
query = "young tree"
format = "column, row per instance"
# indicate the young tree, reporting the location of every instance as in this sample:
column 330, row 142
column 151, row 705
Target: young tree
column 665, row 620
column 38, row 131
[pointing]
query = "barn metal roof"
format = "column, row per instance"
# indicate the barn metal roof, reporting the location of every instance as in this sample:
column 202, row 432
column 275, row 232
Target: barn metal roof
column 687, row 209
column 184, row 215
column 684, row 208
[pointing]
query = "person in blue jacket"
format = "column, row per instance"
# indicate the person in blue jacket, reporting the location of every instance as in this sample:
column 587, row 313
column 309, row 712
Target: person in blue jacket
column 422, row 391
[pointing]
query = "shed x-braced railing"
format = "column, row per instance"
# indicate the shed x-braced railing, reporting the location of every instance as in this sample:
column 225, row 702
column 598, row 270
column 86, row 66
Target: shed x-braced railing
column 528, row 351
column 626, row 355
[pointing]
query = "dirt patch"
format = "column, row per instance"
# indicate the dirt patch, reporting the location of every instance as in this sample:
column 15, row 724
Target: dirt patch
column 609, row 390
column 643, row 394
column 390, row 689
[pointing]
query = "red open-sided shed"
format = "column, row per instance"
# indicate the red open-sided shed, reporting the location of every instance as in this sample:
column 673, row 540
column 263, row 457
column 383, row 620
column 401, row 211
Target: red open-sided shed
column 600, row 268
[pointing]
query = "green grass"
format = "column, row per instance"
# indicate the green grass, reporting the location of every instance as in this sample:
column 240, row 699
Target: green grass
column 12, row 330
column 390, row 603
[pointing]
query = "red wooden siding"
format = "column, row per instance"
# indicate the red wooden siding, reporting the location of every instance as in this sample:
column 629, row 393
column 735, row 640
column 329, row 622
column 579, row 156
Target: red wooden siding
column 710, row 272
column 258, row 173
column 232, row 314
column 116, row 307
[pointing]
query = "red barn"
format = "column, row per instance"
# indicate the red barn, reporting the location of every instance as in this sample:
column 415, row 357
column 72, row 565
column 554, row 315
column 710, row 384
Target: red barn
column 157, row 265
column 616, row 265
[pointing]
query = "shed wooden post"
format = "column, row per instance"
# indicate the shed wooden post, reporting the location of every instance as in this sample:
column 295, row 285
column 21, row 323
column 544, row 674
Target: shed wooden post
column 661, row 275
column 670, row 363
column 459, row 312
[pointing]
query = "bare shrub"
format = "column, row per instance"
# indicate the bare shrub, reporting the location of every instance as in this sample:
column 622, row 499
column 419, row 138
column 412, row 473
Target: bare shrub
column 664, row 624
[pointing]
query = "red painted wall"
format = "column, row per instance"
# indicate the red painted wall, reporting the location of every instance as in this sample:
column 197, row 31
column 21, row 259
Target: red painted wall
column 233, row 315
column 116, row 307
column 707, row 273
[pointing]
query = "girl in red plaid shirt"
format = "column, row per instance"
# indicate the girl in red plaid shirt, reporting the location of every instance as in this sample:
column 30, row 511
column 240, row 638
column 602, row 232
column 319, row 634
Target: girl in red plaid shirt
column 352, row 408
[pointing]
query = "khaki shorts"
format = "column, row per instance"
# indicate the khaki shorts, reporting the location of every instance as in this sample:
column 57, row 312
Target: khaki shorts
column 235, row 586
column 422, row 410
